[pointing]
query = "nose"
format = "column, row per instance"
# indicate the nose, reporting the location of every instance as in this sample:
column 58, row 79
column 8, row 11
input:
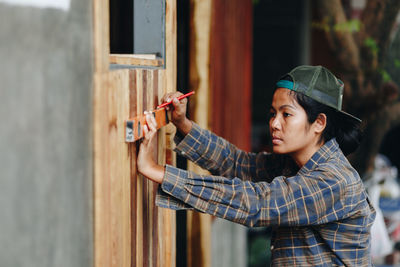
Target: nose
column 274, row 123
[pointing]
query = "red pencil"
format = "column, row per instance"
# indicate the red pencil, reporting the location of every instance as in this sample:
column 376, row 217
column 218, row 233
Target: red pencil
column 179, row 98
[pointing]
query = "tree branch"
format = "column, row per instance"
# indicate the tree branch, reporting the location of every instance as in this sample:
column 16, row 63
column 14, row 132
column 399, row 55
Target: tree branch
column 341, row 42
column 378, row 19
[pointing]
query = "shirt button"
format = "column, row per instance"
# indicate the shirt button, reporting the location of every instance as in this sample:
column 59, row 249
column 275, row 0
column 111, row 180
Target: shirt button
column 182, row 152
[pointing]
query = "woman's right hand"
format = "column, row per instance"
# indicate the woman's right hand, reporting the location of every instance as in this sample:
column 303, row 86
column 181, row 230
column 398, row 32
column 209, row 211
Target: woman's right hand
column 178, row 111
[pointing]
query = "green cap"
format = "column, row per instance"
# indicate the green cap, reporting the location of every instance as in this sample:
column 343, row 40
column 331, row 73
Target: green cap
column 318, row 83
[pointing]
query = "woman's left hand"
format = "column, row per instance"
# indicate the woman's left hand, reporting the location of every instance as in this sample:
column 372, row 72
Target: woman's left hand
column 145, row 162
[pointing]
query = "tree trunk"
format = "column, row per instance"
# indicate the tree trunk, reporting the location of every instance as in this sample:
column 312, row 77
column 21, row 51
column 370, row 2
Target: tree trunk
column 359, row 61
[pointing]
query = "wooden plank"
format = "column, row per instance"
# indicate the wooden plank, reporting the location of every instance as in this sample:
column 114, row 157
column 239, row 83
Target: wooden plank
column 199, row 225
column 170, row 45
column 230, row 69
column 154, row 186
column 101, row 36
column 139, row 180
column 199, row 72
column 160, row 251
column 132, row 155
column 149, row 184
column 145, row 56
column 102, row 203
column 118, row 97
column 145, row 205
column 134, row 60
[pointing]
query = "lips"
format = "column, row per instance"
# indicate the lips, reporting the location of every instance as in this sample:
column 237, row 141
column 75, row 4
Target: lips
column 276, row 140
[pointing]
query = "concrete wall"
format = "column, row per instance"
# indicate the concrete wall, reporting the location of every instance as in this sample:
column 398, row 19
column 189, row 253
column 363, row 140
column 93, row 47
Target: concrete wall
column 45, row 135
column 229, row 244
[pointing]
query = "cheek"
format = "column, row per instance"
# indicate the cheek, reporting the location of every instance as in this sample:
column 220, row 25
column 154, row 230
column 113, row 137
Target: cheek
column 297, row 127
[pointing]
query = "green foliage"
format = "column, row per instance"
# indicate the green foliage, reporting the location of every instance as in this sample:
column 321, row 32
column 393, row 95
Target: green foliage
column 372, row 45
column 385, row 75
column 351, row 26
column 392, row 59
column 397, row 63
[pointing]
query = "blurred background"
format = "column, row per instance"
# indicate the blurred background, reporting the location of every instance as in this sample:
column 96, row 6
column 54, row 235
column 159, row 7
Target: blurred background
column 231, row 52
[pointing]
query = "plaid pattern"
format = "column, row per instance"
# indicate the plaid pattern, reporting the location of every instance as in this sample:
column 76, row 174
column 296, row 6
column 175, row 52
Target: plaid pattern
column 321, row 212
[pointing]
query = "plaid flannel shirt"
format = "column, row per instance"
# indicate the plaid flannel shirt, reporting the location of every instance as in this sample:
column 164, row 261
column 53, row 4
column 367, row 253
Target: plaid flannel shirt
column 320, row 213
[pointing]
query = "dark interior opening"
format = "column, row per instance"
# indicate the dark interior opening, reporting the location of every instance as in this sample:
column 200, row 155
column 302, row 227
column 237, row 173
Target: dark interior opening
column 121, row 27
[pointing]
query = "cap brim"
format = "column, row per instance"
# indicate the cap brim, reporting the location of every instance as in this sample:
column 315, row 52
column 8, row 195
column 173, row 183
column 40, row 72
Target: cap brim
column 348, row 116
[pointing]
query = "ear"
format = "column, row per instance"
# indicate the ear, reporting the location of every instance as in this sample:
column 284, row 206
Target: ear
column 320, row 123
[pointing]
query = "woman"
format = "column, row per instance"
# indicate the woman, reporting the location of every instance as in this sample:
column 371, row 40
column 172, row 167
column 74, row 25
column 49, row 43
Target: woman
column 306, row 189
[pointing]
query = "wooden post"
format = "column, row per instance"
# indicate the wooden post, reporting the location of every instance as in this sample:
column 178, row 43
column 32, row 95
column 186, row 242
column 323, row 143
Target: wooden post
column 199, row 225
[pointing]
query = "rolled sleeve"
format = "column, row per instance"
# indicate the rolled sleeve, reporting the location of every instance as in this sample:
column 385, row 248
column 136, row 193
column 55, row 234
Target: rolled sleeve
column 287, row 201
column 220, row 157
column 191, row 145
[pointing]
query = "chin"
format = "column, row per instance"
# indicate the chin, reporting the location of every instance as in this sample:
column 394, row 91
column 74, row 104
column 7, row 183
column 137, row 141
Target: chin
column 278, row 150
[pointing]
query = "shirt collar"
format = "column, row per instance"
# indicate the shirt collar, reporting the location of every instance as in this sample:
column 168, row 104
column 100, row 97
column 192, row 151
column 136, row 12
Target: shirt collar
column 322, row 155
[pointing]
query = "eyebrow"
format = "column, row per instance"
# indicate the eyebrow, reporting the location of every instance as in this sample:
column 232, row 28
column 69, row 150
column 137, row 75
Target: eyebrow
column 284, row 106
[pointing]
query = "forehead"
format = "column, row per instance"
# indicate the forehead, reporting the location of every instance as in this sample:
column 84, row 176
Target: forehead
column 283, row 97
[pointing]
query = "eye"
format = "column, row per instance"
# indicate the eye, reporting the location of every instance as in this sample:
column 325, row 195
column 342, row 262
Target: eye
column 285, row 114
column 271, row 114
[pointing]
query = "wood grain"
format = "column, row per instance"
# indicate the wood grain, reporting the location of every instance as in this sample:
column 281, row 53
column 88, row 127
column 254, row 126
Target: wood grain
column 101, row 36
column 136, row 61
column 199, row 225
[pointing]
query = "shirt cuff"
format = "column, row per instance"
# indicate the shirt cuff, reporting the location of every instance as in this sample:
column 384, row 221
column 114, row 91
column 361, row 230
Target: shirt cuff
column 166, row 197
column 173, row 182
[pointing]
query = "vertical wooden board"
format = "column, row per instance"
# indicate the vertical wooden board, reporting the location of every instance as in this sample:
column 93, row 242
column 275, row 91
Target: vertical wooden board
column 230, row 76
column 160, row 160
column 101, row 36
column 199, row 72
column 149, row 206
column 139, row 180
column 132, row 159
column 198, row 238
column 118, row 96
column 167, row 221
column 145, row 203
column 154, row 186
column 102, row 203
column 171, row 45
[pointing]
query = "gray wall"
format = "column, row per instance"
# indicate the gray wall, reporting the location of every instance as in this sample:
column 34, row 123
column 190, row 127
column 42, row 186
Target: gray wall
column 45, row 136
column 229, row 244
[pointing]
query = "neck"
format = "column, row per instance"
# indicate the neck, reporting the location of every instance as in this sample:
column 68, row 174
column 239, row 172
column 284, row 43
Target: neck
column 301, row 157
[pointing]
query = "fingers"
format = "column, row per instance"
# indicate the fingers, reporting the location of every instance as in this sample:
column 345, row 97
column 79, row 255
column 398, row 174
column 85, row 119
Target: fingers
column 169, row 96
column 150, row 129
column 177, row 102
column 146, row 135
column 151, row 122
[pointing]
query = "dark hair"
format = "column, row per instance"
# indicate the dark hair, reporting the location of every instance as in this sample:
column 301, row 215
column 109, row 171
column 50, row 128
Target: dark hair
column 346, row 131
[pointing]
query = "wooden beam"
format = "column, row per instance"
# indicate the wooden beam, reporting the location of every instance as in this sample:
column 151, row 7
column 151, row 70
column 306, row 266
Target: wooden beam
column 199, row 225
column 112, row 169
column 134, row 60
